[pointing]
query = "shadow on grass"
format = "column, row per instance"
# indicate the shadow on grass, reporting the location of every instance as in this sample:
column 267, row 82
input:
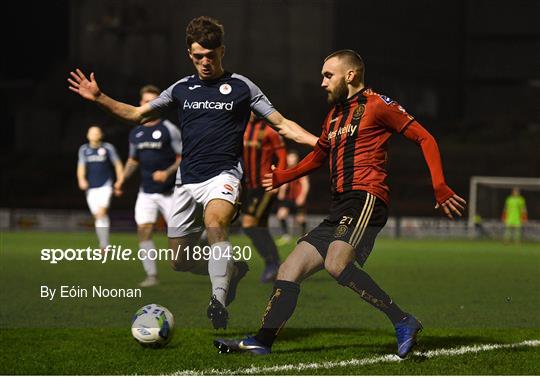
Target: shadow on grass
column 365, row 341
column 337, row 339
column 378, row 341
column 297, row 334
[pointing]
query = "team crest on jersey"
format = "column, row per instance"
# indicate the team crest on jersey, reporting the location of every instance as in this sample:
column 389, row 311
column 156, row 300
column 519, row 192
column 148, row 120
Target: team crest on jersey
column 156, row 134
column 101, row 151
column 386, row 99
column 225, row 89
column 359, row 111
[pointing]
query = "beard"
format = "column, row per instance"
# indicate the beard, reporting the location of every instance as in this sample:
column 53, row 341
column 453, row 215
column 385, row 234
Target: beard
column 339, row 94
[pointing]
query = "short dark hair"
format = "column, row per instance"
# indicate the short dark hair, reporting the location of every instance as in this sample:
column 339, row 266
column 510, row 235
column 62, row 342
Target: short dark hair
column 149, row 89
column 352, row 58
column 97, row 125
column 206, row 31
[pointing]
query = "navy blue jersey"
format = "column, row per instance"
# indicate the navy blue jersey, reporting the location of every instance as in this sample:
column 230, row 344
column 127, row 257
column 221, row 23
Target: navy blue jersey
column 98, row 163
column 213, row 115
column 155, row 148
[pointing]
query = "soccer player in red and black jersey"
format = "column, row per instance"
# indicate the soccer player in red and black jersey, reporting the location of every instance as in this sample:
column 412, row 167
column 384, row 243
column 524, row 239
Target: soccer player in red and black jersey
column 354, row 138
column 262, row 146
column 292, row 200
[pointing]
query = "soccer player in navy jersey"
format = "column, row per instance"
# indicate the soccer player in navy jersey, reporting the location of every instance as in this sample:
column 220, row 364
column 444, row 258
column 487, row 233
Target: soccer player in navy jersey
column 263, row 147
column 213, row 106
column 354, row 139
column 98, row 164
column 155, row 147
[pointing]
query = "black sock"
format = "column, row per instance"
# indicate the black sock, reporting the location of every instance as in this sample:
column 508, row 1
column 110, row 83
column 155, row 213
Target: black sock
column 283, row 223
column 279, row 309
column 360, row 282
column 264, row 243
column 303, row 227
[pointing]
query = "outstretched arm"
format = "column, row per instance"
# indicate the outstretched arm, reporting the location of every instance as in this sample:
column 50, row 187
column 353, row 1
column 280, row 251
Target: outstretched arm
column 89, row 90
column 450, row 203
column 291, row 130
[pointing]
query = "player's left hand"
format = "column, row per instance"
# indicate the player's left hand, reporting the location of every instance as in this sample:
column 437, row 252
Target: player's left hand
column 160, row 176
column 453, row 206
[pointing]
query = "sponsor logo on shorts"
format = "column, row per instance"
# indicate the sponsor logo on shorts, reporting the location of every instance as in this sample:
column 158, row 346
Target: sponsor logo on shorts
column 228, row 187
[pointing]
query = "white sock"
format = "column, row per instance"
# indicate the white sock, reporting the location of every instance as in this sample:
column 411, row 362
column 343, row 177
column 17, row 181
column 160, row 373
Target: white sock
column 102, row 225
column 221, row 269
column 149, row 265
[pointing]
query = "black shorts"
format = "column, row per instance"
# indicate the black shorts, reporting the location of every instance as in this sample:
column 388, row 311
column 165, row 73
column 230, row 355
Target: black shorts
column 293, row 208
column 356, row 217
column 257, row 203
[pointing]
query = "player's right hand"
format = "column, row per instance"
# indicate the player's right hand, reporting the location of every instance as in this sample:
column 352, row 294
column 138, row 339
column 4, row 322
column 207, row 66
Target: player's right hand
column 160, row 176
column 267, row 182
column 118, row 189
column 83, row 185
column 79, row 84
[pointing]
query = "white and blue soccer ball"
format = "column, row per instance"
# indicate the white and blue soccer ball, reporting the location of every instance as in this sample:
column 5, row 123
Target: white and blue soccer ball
column 153, row 326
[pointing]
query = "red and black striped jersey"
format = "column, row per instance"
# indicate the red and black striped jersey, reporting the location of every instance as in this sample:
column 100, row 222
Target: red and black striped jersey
column 355, row 135
column 262, row 144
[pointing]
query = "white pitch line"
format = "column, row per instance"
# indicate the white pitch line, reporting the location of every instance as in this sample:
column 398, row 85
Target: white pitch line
column 391, row 358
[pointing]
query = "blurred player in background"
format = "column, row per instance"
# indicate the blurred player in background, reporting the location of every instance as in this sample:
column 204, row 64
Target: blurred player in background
column 98, row 164
column 513, row 216
column 155, row 147
column 262, row 145
column 213, row 107
column 354, row 138
column 292, row 200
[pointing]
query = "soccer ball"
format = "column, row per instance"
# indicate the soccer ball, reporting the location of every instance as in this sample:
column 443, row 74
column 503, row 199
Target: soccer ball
column 152, row 326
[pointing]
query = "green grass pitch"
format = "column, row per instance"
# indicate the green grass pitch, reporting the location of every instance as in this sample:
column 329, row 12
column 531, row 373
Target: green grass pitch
column 465, row 292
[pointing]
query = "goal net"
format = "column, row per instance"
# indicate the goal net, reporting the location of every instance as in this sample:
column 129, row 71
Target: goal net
column 487, row 196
